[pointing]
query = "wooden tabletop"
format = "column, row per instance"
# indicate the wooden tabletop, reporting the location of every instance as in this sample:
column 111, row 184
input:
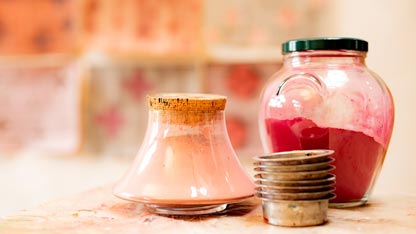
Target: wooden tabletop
column 98, row 211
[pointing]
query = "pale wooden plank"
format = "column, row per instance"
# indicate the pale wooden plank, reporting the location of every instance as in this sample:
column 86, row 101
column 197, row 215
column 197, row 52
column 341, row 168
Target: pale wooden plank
column 98, row 211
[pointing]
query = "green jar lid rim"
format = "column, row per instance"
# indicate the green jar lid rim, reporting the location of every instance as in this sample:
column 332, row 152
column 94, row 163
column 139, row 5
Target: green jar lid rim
column 324, row 43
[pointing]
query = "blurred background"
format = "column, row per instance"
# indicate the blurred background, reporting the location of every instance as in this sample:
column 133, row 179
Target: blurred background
column 74, row 75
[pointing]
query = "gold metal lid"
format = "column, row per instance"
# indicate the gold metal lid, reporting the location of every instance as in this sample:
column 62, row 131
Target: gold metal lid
column 187, row 102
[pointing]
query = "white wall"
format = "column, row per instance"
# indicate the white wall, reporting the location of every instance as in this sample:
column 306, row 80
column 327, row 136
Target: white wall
column 390, row 28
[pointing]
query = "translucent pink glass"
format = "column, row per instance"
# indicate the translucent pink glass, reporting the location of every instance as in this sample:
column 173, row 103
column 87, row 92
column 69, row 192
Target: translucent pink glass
column 330, row 100
column 186, row 164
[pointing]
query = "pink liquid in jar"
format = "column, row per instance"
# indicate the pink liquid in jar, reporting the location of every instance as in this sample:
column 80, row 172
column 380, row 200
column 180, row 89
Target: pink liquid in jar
column 357, row 156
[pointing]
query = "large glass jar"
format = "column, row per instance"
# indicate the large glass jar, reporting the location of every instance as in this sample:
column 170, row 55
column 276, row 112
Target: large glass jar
column 186, row 164
column 325, row 97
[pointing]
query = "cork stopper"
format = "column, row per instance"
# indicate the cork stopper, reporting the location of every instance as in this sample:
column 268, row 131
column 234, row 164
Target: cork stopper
column 187, row 102
column 187, row 108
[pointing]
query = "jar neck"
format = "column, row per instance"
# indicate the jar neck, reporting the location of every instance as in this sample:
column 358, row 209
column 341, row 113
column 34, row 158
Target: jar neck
column 186, row 118
column 334, row 57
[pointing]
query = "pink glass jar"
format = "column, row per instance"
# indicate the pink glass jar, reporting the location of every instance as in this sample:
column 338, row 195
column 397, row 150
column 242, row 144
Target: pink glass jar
column 186, row 164
column 325, row 97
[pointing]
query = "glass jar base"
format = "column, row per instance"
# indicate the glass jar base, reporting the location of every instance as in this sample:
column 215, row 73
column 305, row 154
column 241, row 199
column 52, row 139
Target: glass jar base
column 185, row 210
column 349, row 204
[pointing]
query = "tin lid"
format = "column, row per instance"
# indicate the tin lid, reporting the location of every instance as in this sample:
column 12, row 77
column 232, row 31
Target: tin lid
column 324, row 43
column 186, row 102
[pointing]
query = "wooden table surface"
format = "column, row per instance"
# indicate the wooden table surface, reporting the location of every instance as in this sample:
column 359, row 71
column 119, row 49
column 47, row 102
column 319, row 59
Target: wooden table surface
column 98, row 211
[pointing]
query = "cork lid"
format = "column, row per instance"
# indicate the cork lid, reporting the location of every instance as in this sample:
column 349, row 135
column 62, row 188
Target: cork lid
column 186, row 102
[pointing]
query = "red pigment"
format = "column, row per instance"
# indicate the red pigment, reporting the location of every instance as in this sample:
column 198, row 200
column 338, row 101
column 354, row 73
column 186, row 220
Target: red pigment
column 357, row 156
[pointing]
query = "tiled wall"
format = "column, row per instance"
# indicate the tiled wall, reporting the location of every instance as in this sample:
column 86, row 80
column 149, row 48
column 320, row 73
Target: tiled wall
column 40, row 108
column 124, row 49
column 38, row 27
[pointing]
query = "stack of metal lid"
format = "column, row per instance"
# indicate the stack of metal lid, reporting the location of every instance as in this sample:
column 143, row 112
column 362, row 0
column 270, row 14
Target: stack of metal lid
column 295, row 186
